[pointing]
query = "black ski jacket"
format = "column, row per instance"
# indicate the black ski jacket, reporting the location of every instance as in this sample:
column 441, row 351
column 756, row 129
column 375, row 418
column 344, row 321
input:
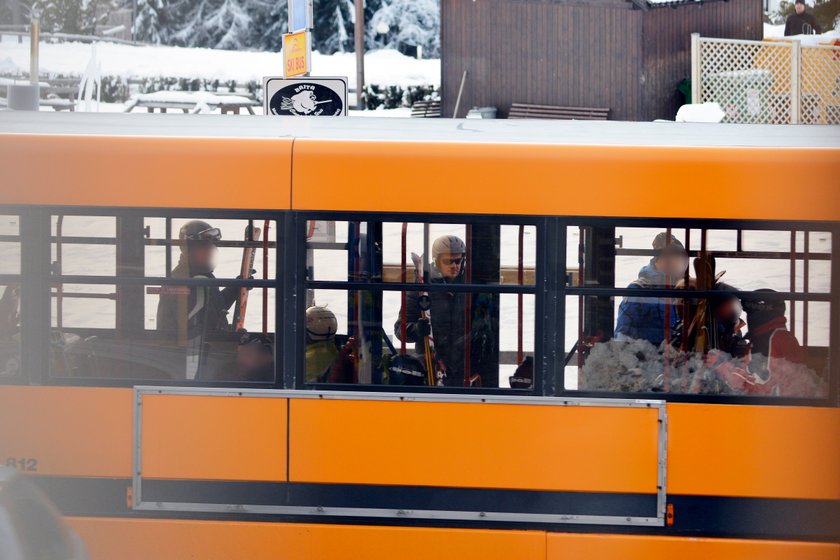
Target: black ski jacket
column 802, row 24
column 448, row 325
column 204, row 311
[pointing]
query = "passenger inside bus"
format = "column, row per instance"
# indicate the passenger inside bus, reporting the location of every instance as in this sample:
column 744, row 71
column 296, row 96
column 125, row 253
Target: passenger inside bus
column 644, row 317
column 197, row 315
column 255, row 357
column 9, row 332
column 325, row 361
column 447, row 310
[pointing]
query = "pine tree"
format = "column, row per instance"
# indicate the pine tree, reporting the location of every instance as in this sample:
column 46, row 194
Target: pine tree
column 215, row 24
column 333, row 30
column 411, row 23
column 67, row 16
column 152, row 21
column 269, row 25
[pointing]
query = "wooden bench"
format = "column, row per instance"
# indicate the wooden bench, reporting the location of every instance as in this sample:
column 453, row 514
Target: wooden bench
column 530, row 111
column 425, row 109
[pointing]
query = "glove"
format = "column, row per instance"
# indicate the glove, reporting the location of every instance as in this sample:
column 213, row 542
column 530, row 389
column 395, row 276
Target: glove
column 250, row 277
column 422, row 328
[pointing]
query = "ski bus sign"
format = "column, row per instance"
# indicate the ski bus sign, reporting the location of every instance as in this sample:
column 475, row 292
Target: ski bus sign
column 297, row 59
column 305, row 97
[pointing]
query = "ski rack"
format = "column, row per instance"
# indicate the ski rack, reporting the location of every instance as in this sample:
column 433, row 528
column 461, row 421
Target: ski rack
column 658, row 520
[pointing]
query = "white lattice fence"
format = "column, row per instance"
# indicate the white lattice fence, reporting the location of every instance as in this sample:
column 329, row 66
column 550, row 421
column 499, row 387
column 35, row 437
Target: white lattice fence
column 767, row 82
column 820, row 85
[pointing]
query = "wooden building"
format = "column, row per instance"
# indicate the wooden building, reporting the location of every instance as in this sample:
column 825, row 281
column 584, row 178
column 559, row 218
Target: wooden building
column 625, row 55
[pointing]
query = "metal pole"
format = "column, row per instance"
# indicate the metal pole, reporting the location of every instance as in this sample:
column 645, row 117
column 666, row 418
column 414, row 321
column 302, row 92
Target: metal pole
column 35, row 37
column 460, row 92
column 795, row 112
column 360, row 53
column 695, row 68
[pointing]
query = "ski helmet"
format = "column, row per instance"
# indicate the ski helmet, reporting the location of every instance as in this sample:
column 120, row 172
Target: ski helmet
column 448, row 244
column 665, row 243
column 406, row 370
column 321, row 323
column 760, row 310
column 198, row 230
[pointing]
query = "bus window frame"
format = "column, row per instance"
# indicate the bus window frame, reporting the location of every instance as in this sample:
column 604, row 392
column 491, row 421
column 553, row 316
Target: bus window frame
column 36, row 255
column 832, row 297
column 302, row 218
column 550, row 292
column 9, row 279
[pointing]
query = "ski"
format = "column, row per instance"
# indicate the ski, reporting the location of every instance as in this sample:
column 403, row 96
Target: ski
column 435, row 368
column 252, row 234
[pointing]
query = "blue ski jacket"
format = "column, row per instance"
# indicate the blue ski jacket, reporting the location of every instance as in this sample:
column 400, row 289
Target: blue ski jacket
column 644, row 317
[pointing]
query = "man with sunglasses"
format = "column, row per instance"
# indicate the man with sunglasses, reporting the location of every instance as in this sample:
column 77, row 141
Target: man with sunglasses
column 447, row 309
column 191, row 313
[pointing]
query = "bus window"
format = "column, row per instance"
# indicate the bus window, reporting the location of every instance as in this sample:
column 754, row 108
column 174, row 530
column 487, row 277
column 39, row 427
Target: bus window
column 760, row 328
column 10, row 297
column 168, row 298
column 9, row 331
column 9, row 245
column 469, row 288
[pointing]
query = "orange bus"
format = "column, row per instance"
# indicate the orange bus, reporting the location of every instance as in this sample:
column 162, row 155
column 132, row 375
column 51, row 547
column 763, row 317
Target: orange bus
column 616, row 342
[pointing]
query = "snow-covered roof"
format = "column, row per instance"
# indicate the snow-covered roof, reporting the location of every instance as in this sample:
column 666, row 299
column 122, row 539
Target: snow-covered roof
column 423, row 130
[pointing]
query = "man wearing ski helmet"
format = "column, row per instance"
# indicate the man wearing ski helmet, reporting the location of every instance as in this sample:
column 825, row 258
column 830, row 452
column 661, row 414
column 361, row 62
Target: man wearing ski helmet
column 777, row 356
column 321, row 351
column 447, row 309
column 194, row 312
column 325, row 363
column 642, row 317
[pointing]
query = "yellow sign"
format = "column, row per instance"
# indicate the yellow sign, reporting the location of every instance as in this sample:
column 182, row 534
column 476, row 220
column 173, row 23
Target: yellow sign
column 296, row 54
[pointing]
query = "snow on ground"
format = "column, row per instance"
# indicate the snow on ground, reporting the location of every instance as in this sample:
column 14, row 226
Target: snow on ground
column 383, row 67
column 778, row 32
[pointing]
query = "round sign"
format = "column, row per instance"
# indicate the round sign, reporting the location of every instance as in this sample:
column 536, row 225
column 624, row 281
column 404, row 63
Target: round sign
column 305, row 99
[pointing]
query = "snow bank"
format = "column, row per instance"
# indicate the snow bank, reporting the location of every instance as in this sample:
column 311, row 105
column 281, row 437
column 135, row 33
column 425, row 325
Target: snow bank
column 383, row 67
column 700, row 113
column 778, row 32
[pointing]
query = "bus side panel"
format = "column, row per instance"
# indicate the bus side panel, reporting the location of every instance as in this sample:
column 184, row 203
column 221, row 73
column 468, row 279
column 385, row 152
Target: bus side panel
column 565, row 180
column 473, row 445
column 567, row 546
column 67, row 431
column 155, row 172
column 754, row 451
column 214, row 438
column 163, row 539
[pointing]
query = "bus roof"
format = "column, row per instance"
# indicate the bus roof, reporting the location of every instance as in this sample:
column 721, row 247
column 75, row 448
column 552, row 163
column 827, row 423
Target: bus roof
column 544, row 132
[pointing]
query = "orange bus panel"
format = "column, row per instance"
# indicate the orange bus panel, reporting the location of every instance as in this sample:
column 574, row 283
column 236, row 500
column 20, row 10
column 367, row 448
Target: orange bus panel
column 142, row 539
column 214, row 438
column 473, row 445
column 559, row 180
column 140, row 171
column 67, row 431
column 568, row 546
column 754, row 451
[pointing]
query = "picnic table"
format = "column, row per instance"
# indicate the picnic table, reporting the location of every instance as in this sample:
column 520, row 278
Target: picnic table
column 51, row 91
column 191, row 102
